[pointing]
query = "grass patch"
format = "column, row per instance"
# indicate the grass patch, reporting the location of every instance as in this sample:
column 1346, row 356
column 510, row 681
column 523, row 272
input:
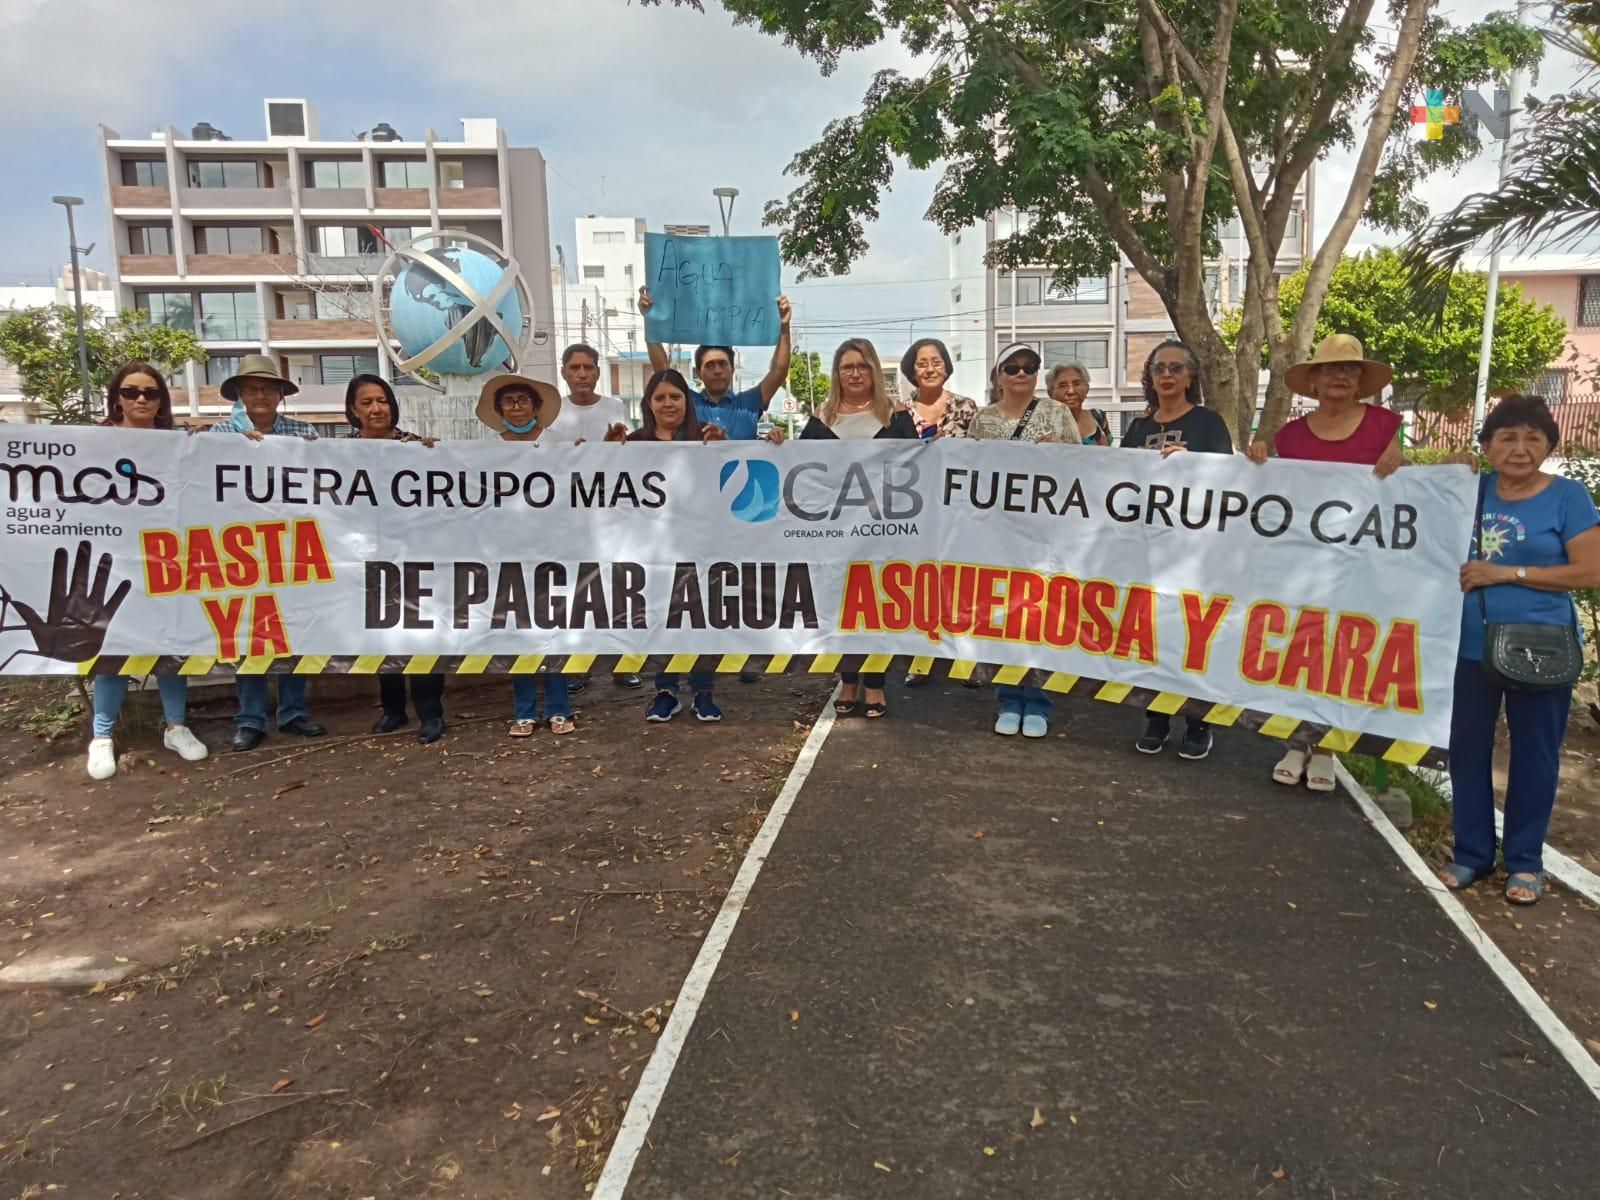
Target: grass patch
column 392, row 941
column 1430, row 830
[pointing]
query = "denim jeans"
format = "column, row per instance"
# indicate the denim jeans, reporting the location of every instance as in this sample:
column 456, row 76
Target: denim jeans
column 525, row 694
column 252, row 691
column 1028, row 701
column 699, row 681
column 1537, row 721
column 427, row 695
column 110, row 689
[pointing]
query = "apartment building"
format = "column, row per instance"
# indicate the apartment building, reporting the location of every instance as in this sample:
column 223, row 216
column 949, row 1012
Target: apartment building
column 98, row 298
column 1109, row 323
column 1569, row 283
column 270, row 244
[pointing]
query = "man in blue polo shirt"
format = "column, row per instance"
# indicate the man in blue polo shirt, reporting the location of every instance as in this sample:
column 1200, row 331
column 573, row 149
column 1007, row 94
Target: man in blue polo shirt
column 736, row 413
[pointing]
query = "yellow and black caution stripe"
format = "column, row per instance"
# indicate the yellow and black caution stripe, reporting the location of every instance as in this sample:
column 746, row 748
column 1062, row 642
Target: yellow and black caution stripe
column 1173, row 703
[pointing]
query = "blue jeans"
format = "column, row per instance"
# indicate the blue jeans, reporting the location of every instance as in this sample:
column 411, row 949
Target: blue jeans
column 110, row 689
column 699, row 681
column 1027, row 701
column 1537, row 721
column 252, row 690
column 525, row 694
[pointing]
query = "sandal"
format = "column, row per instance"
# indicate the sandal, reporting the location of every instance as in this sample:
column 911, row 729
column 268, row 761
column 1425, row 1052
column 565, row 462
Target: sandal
column 1529, row 881
column 843, row 707
column 876, row 708
column 1319, row 773
column 522, row 729
column 1461, row 877
column 1290, row 769
column 561, row 725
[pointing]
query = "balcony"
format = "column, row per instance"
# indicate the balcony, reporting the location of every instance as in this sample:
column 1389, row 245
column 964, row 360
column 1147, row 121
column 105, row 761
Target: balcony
column 147, row 264
column 338, row 198
column 469, row 197
column 234, row 198
column 241, row 264
column 411, row 198
column 140, row 197
column 363, row 265
column 323, row 329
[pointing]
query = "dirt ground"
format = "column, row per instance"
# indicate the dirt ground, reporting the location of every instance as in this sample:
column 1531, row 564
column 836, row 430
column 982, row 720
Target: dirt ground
column 367, row 967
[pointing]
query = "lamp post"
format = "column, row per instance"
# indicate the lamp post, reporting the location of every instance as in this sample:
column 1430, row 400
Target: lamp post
column 68, row 203
column 730, row 194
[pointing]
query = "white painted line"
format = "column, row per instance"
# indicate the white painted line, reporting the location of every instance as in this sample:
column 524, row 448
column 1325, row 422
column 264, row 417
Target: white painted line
column 1565, row 1042
column 658, row 1072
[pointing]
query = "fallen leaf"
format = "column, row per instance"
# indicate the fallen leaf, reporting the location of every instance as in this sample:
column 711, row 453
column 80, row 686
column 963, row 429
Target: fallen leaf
column 1594, row 1046
column 1279, row 1173
column 548, row 1113
column 1430, row 1004
column 98, row 988
column 1038, row 1119
column 280, row 1085
column 316, row 1020
column 598, row 772
column 977, row 833
column 989, row 1151
column 794, row 1014
column 884, row 1167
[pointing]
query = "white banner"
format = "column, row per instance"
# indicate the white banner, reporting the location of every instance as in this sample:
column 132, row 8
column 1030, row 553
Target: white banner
column 1310, row 590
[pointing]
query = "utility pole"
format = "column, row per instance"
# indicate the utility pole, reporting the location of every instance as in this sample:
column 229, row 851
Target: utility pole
column 68, row 203
column 583, row 320
column 566, row 330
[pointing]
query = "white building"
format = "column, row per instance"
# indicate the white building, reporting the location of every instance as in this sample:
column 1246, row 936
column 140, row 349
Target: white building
column 98, row 297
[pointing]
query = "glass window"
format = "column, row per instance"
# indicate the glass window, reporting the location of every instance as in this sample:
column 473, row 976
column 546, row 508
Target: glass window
column 336, row 173
column 175, row 310
column 224, row 174
column 220, row 367
column 1092, row 352
column 955, row 294
column 344, row 304
column 1589, row 300
column 594, row 272
column 452, row 173
column 405, row 173
column 342, row 368
column 399, row 235
column 229, row 316
column 1029, row 289
column 144, row 172
column 150, row 239
column 608, row 237
column 1291, row 228
column 229, row 239
column 1552, row 386
column 1082, row 291
column 344, row 241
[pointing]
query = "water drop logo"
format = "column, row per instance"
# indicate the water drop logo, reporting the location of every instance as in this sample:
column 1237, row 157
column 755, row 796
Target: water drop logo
column 754, row 483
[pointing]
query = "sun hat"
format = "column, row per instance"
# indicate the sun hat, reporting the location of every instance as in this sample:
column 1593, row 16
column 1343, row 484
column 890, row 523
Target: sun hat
column 549, row 400
column 256, row 366
column 1011, row 351
column 1340, row 348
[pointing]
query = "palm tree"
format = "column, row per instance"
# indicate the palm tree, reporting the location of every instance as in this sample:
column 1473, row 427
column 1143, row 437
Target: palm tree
column 1552, row 193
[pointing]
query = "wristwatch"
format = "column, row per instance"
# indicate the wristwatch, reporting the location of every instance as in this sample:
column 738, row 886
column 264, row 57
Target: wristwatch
column 1522, row 574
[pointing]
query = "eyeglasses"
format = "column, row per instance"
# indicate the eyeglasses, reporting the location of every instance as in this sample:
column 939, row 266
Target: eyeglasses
column 1168, row 368
column 1020, row 369
column 1339, row 368
column 134, row 393
column 854, row 368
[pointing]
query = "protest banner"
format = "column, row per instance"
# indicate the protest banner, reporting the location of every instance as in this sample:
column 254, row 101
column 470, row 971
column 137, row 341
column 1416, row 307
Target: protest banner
column 712, row 291
column 1307, row 592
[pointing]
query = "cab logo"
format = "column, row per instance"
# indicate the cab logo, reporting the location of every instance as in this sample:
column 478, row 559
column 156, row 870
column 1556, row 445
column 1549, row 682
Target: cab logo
column 755, row 486
column 757, row 490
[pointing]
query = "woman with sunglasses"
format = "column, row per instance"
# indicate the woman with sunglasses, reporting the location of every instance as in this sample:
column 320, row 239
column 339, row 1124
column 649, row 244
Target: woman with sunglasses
column 1016, row 412
column 857, row 408
column 1175, row 421
column 137, row 399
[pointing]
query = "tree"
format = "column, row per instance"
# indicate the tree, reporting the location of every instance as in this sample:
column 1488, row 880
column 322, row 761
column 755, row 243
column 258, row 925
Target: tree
column 42, row 344
column 1435, row 362
column 1136, row 126
column 808, row 383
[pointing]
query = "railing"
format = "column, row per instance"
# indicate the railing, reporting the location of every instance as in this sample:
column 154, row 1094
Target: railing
column 1577, row 419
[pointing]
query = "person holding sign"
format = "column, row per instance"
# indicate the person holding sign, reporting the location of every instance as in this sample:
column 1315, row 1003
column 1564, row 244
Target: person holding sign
column 137, row 398
column 258, row 393
column 1175, row 421
column 1068, row 383
column 1342, row 428
column 669, row 416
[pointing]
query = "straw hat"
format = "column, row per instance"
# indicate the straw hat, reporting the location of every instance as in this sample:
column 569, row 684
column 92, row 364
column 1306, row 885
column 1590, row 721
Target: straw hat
column 549, row 400
column 1340, row 348
column 256, row 366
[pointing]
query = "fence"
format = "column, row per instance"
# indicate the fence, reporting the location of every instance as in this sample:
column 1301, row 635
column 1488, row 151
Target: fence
column 1577, row 418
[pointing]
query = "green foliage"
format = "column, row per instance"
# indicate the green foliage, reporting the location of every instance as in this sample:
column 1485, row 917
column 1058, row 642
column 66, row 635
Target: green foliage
column 1584, row 466
column 1435, row 365
column 42, row 344
column 808, row 382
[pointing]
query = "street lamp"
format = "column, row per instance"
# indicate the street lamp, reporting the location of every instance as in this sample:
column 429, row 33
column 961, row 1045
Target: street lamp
column 729, row 194
column 68, row 203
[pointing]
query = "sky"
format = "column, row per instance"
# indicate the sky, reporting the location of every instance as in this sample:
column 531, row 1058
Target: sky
column 638, row 111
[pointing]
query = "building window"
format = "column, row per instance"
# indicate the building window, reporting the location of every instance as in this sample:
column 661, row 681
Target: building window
column 150, row 239
column 399, row 235
column 1029, row 289
column 1082, row 291
column 229, row 316
column 452, row 173
column 229, row 239
column 343, row 241
column 955, row 238
column 220, row 367
column 955, row 294
column 342, row 368
column 1291, row 228
column 1551, row 386
column 336, row 173
column 405, row 173
column 175, row 310
column 224, row 174
column 1589, row 300
column 344, row 304
column 594, row 273
column 1092, row 352
column 608, row 237
column 956, row 354
column 144, row 172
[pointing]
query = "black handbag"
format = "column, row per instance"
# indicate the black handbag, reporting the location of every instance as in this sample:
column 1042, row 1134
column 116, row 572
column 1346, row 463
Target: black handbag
column 1523, row 657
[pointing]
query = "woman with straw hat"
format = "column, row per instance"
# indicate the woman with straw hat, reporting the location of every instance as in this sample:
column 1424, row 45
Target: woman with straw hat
column 1342, row 428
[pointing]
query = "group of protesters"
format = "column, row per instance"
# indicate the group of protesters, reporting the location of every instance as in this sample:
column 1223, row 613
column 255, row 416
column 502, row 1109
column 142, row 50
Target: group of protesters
column 1537, row 537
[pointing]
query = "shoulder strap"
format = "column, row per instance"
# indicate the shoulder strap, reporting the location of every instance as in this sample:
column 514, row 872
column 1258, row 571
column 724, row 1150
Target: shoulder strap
column 1022, row 421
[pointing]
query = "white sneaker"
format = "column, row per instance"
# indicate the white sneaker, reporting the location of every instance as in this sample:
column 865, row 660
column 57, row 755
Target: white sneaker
column 102, row 758
column 182, row 742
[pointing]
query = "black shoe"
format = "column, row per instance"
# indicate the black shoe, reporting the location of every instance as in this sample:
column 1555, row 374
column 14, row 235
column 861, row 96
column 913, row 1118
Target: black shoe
column 576, row 683
column 627, row 679
column 245, row 738
column 1196, row 743
column 430, row 730
column 970, row 682
column 302, row 727
column 1155, row 737
column 750, row 675
column 388, row 723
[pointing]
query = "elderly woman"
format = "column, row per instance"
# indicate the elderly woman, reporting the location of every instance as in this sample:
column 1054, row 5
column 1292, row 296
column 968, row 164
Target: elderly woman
column 858, row 408
column 137, row 398
column 1343, row 428
column 1068, row 383
column 374, row 413
column 521, row 409
column 1537, row 540
column 937, row 411
column 667, row 414
column 1175, row 421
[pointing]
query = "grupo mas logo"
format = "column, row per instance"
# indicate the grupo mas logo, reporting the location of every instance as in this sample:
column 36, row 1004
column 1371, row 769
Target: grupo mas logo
column 36, row 482
column 755, row 488
column 875, row 498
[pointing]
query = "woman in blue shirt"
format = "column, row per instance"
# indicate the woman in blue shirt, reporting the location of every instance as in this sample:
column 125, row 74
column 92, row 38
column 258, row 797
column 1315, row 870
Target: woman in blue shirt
column 1538, row 540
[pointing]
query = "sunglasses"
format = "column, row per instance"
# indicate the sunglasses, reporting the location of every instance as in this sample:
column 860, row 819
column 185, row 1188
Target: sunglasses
column 134, row 393
column 1168, row 368
column 1020, row 369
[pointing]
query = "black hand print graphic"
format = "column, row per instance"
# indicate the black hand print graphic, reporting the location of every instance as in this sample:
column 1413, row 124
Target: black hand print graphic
column 74, row 627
